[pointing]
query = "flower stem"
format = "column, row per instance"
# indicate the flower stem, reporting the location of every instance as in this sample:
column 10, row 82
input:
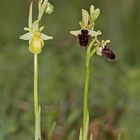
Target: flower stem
column 36, row 104
column 85, row 102
column 89, row 54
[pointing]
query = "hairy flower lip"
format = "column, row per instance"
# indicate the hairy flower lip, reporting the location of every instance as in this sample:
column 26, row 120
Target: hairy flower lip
column 108, row 53
column 83, row 38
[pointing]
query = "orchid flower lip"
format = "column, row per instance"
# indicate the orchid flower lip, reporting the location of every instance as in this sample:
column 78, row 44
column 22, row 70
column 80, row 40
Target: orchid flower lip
column 84, row 35
column 108, row 53
column 83, row 38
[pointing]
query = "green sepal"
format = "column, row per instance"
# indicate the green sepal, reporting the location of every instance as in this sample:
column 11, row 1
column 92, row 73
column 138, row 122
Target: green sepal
column 42, row 9
column 30, row 18
column 94, row 15
column 92, row 9
column 85, row 17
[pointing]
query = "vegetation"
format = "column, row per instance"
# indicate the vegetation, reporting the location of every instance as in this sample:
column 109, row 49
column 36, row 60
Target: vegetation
column 114, row 99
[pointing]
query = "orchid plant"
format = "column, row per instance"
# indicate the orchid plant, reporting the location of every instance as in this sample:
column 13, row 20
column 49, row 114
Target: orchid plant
column 88, row 38
column 36, row 39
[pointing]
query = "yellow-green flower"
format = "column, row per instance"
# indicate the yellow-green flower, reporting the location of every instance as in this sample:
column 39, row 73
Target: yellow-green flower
column 35, row 36
column 36, row 40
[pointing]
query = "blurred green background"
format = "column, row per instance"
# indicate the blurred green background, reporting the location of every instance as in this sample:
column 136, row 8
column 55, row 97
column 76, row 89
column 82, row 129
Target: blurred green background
column 114, row 87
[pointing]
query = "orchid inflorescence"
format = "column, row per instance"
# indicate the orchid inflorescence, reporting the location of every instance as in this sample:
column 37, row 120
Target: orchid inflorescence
column 35, row 36
column 36, row 42
column 87, row 31
column 84, row 35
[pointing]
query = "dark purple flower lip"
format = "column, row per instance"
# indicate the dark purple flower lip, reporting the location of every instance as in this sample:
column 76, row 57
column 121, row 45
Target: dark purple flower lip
column 84, row 38
column 108, row 53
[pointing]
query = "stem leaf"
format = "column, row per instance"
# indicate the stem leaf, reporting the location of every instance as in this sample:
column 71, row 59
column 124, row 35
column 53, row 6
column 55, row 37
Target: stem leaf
column 37, row 125
column 80, row 135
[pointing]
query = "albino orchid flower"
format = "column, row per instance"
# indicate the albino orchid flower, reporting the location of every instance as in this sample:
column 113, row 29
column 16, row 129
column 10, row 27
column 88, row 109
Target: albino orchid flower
column 35, row 36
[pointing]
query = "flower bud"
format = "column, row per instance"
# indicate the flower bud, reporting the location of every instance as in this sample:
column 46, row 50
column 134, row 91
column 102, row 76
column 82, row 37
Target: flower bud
column 49, row 9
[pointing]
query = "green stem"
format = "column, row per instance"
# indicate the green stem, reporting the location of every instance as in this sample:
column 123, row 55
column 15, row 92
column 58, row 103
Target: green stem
column 85, row 103
column 35, row 84
column 89, row 54
column 36, row 104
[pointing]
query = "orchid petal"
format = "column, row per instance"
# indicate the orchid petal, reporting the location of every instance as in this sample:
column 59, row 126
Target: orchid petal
column 104, row 43
column 94, row 33
column 26, row 29
column 76, row 33
column 27, row 36
column 46, row 37
column 41, row 28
